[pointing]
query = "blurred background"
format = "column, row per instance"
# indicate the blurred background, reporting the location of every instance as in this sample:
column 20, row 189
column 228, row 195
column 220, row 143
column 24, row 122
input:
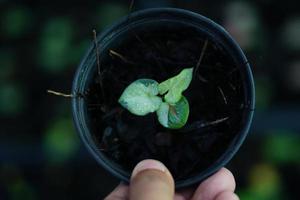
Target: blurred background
column 41, row 45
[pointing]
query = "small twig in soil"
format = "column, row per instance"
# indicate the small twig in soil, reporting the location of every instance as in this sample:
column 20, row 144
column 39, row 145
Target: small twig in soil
column 215, row 122
column 60, row 94
column 222, row 93
column 200, row 124
column 97, row 52
column 201, row 78
column 98, row 61
column 130, row 10
column 201, row 56
column 130, row 7
column 139, row 39
column 114, row 53
column 103, row 108
column 232, row 71
column 232, row 86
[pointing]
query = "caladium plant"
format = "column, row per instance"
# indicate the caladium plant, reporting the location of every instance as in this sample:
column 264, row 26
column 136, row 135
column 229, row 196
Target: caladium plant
column 143, row 96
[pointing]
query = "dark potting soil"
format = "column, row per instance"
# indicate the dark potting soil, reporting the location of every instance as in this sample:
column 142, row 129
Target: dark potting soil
column 216, row 97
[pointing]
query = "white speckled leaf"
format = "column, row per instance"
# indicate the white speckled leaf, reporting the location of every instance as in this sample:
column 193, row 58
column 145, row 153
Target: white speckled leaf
column 140, row 97
column 176, row 85
column 163, row 114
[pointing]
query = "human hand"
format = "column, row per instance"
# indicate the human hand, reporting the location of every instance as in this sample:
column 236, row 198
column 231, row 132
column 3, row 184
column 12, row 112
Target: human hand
column 151, row 180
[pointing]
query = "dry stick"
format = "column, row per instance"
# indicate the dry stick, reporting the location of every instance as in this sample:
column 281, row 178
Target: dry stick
column 131, row 6
column 97, row 55
column 201, row 78
column 114, row 53
column 130, row 10
column 232, row 71
column 223, row 95
column 201, row 55
column 98, row 67
column 232, row 86
column 60, row 94
column 215, row 122
column 98, row 60
column 198, row 124
column 139, row 39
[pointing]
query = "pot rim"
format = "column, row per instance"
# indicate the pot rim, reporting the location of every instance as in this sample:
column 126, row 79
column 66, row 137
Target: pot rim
column 80, row 76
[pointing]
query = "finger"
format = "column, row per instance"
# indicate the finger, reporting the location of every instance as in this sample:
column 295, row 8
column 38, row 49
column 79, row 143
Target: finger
column 119, row 193
column 150, row 180
column 220, row 182
column 227, row 195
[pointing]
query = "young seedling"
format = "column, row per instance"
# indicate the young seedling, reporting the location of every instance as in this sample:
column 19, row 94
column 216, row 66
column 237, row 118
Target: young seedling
column 141, row 97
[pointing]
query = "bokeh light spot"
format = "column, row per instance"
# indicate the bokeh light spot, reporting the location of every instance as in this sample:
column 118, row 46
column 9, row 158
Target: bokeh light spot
column 12, row 99
column 60, row 141
column 16, row 21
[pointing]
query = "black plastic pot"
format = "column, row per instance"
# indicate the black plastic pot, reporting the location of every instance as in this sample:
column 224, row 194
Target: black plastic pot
column 144, row 18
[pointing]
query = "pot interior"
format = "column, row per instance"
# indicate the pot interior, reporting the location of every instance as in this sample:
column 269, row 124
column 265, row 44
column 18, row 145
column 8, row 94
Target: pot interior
column 159, row 49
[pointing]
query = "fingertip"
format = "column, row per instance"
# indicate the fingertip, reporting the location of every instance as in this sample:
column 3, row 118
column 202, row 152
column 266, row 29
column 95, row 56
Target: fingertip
column 151, row 180
column 227, row 195
column 148, row 164
column 221, row 181
column 227, row 177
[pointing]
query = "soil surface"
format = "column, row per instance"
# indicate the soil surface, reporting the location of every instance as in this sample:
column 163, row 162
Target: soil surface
column 216, row 98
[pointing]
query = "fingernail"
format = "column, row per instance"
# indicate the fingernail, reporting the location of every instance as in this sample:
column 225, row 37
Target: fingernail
column 148, row 165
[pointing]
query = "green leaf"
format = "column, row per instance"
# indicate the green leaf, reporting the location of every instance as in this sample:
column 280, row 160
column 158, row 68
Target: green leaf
column 173, row 116
column 140, row 97
column 176, row 85
column 163, row 114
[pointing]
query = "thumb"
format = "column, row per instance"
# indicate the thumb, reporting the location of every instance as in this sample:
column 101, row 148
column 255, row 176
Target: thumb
column 150, row 180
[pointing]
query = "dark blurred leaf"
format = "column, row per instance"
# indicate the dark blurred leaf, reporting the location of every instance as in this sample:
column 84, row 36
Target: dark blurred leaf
column 290, row 34
column 264, row 92
column 22, row 190
column 242, row 21
column 109, row 12
column 7, row 64
column 60, row 141
column 12, row 99
column 54, row 53
column 282, row 147
column 16, row 21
